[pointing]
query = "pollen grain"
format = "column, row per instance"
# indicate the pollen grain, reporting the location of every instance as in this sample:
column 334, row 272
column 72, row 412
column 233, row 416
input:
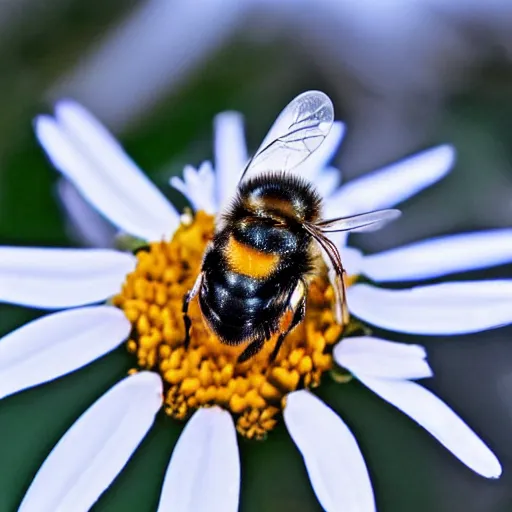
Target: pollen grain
column 207, row 373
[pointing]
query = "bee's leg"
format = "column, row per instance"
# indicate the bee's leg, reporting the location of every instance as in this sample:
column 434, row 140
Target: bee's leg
column 298, row 316
column 251, row 350
column 337, row 281
column 345, row 316
column 298, row 306
column 186, row 301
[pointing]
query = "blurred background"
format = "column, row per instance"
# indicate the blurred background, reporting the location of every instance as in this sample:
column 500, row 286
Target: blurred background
column 404, row 75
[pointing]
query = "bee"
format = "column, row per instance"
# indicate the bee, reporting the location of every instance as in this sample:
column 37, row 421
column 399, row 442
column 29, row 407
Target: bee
column 265, row 250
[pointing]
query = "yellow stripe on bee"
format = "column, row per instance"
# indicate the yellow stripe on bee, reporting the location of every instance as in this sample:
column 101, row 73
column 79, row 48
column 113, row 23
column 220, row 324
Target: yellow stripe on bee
column 273, row 203
column 248, row 261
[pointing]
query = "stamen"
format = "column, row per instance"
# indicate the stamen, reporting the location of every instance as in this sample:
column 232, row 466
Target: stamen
column 207, row 372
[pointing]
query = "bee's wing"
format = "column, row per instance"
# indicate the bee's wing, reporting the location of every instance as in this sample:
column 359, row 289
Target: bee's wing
column 363, row 222
column 299, row 130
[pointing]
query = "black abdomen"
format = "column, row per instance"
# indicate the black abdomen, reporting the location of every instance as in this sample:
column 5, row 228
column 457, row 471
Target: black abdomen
column 243, row 314
column 265, row 221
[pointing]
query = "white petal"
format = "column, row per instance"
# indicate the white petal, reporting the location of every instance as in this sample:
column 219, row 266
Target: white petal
column 204, row 472
column 96, row 448
column 333, row 460
column 84, row 223
column 439, row 256
column 437, row 418
column 376, row 357
column 181, row 185
column 352, row 259
column 327, row 181
column 54, row 345
column 60, row 278
column 440, row 309
column 198, row 187
column 230, row 154
column 208, row 187
column 340, row 240
column 391, row 185
column 95, row 163
column 116, row 165
column 313, row 165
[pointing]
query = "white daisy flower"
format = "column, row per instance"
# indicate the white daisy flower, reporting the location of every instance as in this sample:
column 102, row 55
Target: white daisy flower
column 144, row 295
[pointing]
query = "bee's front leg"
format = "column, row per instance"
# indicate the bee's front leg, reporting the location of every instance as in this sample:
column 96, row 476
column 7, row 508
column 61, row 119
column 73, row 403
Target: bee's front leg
column 252, row 349
column 298, row 316
column 186, row 301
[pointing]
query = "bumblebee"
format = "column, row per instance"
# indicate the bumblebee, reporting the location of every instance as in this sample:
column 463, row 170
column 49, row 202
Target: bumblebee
column 268, row 241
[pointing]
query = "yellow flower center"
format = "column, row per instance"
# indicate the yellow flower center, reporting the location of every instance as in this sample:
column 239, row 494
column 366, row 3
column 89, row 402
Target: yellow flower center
column 207, row 372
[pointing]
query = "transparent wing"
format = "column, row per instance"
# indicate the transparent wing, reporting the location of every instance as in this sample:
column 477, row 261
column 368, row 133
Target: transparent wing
column 298, row 132
column 363, row 222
